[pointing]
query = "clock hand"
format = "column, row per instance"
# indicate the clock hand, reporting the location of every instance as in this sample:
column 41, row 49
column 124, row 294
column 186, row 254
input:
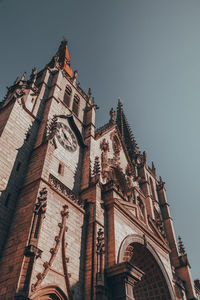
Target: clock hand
column 67, row 137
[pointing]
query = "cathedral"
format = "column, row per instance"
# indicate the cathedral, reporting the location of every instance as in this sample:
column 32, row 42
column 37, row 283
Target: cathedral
column 82, row 214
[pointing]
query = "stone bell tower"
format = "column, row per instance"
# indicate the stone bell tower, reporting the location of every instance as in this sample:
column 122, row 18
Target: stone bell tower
column 83, row 216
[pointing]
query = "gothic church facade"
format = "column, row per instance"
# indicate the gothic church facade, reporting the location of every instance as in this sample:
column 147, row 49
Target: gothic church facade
column 83, row 216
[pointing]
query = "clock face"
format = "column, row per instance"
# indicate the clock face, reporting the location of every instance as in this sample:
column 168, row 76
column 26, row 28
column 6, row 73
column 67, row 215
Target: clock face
column 66, row 137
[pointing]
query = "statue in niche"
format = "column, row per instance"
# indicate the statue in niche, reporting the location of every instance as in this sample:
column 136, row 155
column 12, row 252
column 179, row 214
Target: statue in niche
column 116, row 149
column 158, row 218
column 141, row 207
column 104, row 159
column 100, row 254
column 130, row 175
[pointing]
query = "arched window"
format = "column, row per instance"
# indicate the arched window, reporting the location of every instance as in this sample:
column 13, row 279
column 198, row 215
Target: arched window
column 67, row 95
column 76, row 102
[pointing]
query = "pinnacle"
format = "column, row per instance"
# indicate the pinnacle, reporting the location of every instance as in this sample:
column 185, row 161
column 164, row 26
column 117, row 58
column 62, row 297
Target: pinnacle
column 181, row 246
column 126, row 131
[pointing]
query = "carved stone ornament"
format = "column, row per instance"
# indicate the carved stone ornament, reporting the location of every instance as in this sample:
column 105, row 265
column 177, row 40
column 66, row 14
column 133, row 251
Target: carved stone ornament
column 39, row 215
column 52, row 127
column 32, row 250
column 141, row 208
column 158, row 219
column 60, row 187
column 100, row 241
column 130, row 176
column 100, row 255
column 96, row 170
column 116, row 144
column 104, row 146
column 161, row 184
column 40, row 206
column 47, row 265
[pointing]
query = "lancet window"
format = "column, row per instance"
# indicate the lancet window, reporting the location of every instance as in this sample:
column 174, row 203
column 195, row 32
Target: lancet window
column 76, row 102
column 67, row 95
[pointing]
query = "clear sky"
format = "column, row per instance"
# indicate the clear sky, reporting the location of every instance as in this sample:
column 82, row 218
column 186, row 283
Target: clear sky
column 145, row 51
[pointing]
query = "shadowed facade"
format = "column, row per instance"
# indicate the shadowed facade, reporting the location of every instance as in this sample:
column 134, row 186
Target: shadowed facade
column 83, row 215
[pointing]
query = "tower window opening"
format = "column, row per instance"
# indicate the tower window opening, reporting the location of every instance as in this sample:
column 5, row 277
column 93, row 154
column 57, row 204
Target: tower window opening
column 7, row 200
column 60, row 169
column 67, row 95
column 18, row 166
column 76, row 102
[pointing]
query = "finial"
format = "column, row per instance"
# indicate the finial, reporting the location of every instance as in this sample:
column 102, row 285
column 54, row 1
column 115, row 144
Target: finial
column 33, row 75
column 112, row 115
column 89, row 92
column 75, row 75
column 16, row 80
column 34, row 71
column 64, row 40
column 153, row 168
column 92, row 101
column 119, row 101
column 23, row 76
column 145, row 156
column 181, row 246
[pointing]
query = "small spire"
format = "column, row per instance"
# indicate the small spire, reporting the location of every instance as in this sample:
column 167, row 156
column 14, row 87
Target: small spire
column 89, row 93
column 181, row 246
column 23, row 76
column 33, row 75
column 16, row 80
column 75, row 75
column 145, row 156
column 153, row 168
column 112, row 116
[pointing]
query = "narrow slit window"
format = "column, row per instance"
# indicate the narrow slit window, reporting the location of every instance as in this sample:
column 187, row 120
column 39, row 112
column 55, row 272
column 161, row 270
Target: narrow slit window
column 76, row 102
column 67, row 95
column 18, row 166
column 60, row 169
column 7, row 200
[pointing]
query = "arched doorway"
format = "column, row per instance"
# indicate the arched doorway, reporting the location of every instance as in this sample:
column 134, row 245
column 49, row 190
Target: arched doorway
column 155, row 283
column 49, row 293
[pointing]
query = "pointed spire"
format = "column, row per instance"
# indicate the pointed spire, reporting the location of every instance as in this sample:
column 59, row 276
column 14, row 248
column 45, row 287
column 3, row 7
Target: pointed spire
column 126, row 132
column 63, row 57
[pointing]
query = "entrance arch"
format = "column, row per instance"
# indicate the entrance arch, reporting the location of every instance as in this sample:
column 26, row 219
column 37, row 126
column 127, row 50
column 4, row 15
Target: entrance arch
column 155, row 283
column 49, row 293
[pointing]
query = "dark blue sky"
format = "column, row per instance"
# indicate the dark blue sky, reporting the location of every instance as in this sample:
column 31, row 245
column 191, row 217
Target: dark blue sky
column 146, row 52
